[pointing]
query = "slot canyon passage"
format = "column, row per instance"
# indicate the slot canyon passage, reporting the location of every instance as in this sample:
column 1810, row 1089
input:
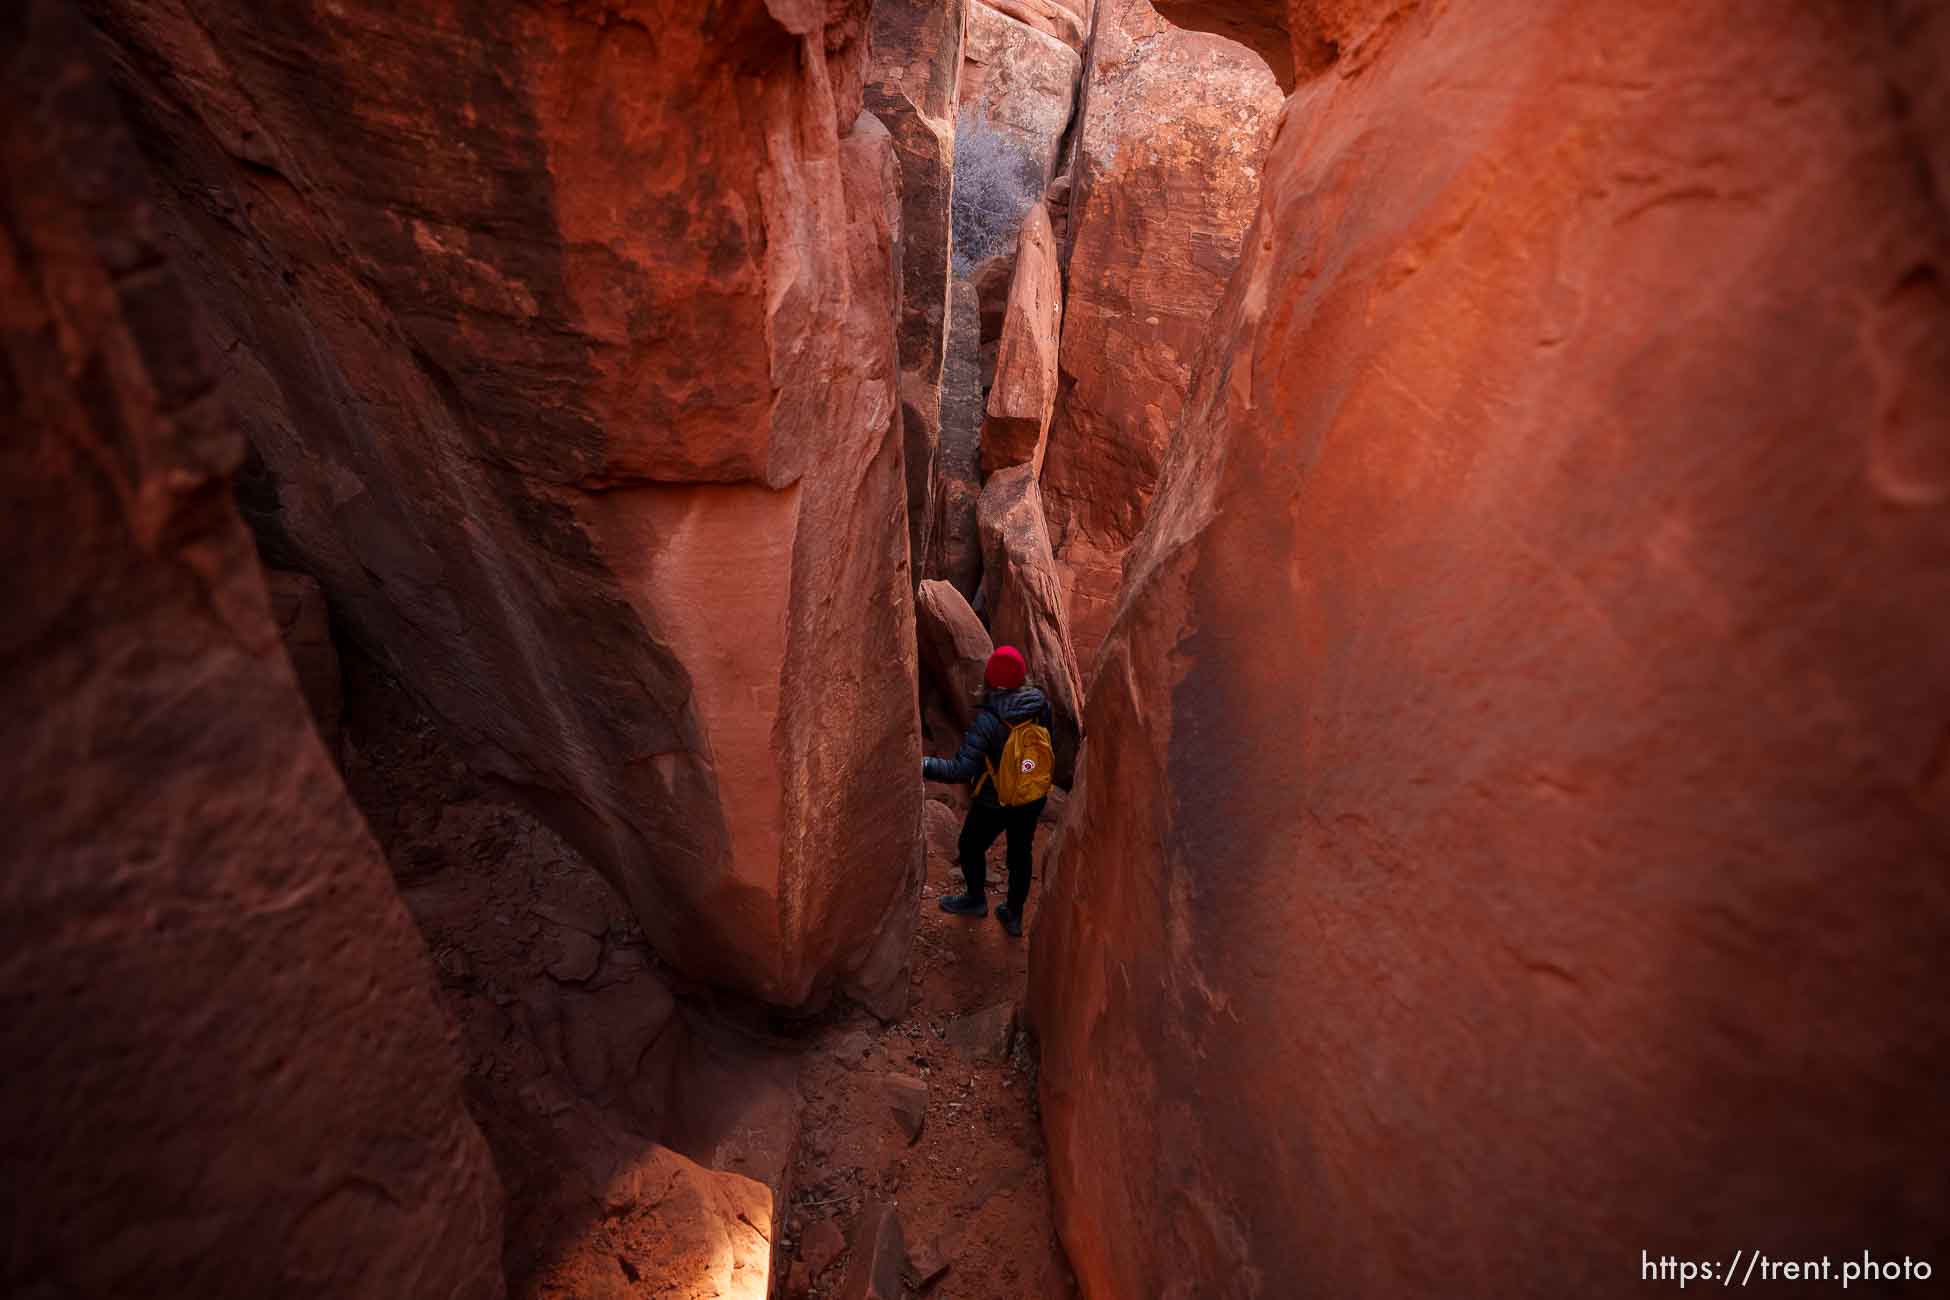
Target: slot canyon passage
column 503, row 494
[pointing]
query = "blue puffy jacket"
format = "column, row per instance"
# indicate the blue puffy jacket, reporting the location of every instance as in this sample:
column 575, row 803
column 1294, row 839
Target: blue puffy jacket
column 982, row 743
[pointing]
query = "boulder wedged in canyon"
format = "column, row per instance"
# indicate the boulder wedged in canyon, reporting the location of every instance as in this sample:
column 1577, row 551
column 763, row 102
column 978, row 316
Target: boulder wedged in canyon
column 1069, row 23
column 1516, row 805
column 1023, row 601
column 1297, row 38
column 1015, row 427
column 568, row 345
column 1020, row 83
column 1171, row 135
column 916, row 77
column 1261, row 26
column 227, row 1073
column 955, row 647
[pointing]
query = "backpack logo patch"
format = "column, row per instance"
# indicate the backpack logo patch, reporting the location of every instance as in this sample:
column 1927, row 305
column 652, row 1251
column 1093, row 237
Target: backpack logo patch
column 1027, row 759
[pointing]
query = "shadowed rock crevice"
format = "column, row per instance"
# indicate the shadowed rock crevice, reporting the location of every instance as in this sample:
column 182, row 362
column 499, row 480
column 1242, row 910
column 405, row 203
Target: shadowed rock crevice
column 917, row 59
column 220, row 1027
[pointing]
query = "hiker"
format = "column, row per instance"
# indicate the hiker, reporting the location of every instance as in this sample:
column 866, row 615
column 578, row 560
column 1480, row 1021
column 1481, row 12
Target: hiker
column 1006, row 753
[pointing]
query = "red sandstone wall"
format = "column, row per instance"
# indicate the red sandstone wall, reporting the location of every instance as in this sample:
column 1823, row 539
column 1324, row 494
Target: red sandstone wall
column 566, row 336
column 226, row 1073
column 1515, row 824
column 1172, row 134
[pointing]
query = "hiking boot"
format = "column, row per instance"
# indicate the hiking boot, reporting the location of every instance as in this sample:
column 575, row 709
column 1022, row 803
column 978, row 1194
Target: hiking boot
column 965, row 905
column 1011, row 921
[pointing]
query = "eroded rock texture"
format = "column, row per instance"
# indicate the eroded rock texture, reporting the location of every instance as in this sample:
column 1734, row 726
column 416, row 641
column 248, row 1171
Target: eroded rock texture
column 1171, row 136
column 917, row 58
column 1515, row 816
column 305, row 624
column 567, row 333
column 227, row 1075
column 955, row 548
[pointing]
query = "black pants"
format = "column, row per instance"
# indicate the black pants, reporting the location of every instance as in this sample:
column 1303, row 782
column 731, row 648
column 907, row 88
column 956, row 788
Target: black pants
column 985, row 822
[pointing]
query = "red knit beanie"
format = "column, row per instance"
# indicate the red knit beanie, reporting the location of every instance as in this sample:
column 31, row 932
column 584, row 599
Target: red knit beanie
column 1006, row 669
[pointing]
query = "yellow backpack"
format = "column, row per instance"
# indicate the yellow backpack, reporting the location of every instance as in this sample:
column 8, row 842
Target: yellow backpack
column 1028, row 766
